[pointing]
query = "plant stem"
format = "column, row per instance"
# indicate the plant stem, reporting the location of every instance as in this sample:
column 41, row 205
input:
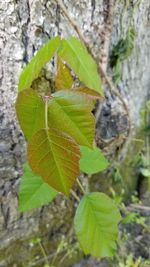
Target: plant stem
column 81, row 187
column 63, row 258
column 56, row 254
column 75, row 195
column 43, row 252
column 137, row 140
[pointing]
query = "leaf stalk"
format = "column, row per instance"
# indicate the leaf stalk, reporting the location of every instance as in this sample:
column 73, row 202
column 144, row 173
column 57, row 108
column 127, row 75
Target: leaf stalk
column 75, row 195
column 46, row 112
column 81, row 187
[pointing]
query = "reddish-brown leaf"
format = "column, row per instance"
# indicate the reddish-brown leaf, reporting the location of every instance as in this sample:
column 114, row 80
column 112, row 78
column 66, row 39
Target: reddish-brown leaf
column 55, row 156
column 89, row 92
column 63, row 79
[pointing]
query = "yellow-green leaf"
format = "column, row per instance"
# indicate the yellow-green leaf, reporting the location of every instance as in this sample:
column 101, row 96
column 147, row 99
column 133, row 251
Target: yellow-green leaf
column 70, row 112
column 92, row 160
column 30, row 112
column 76, row 56
column 33, row 191
column 63, row 79
column 32, row 70
column 55, row 156
column 96, row 225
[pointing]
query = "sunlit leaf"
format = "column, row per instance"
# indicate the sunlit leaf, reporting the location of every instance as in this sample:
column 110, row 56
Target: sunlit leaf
column 76, row 56
column 30, row 112
column 55, row 156
column 92, row 160
column 32, row 70
column 63, row 79
column 96, row 225
column 71, row 112
column 34, row 192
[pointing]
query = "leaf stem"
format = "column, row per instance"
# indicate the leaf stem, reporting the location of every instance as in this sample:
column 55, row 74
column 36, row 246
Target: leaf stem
column 46, row 112
column 75, row 195
column 63, row 258
column 81, row 187
column 56, row 254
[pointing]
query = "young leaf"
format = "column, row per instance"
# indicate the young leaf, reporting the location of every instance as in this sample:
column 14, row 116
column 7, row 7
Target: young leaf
column 96, row 225
column 70, row 112
column 30, row 112
column 32, row 70
column 92, row 160
column 34, row 192
column 63, row 79
column 55, row 156
column 76, row 56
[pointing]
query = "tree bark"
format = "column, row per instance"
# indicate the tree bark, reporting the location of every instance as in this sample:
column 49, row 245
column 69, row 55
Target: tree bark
column 24, row 26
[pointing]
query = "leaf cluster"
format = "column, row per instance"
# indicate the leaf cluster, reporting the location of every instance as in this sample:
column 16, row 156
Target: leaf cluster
column 60, row 127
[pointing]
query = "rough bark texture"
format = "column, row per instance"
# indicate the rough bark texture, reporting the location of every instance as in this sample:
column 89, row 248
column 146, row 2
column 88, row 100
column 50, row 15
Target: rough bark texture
column 24, row 26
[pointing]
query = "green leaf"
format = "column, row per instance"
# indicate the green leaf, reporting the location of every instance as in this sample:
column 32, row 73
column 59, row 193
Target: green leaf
column 63, row 79
column 55, row 156
column 96, row 225
column 92, row 160
column 32, row 70
column 70, row 112
column 30, row 112
column 76, row 56
column 34, row 192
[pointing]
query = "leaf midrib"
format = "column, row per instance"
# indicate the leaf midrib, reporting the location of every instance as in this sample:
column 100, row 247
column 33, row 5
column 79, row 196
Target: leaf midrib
column 51, row 147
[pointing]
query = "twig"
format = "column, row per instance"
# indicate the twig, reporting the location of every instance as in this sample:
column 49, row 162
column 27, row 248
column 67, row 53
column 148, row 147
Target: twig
column 72, row 22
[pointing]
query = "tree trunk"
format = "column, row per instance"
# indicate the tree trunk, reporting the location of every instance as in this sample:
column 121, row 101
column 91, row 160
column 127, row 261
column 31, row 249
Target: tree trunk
column 24, row 26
